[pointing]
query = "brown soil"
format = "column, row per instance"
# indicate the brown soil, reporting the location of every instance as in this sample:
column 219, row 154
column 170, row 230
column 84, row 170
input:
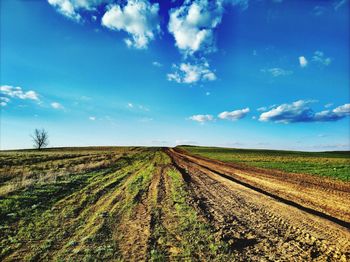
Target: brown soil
column 270, row 215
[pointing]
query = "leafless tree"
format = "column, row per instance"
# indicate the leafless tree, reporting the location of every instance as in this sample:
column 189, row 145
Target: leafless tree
column 40, row 138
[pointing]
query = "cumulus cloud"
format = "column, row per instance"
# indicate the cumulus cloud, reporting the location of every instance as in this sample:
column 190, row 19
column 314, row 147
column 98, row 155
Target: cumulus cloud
column 92, row 118
column 191, row 73
column 192, row 24
column 56, row 105
column 302, row 61
column 321, row 59
column 276, row 72
column 234, row 115
column 71, row 8
column 201, row 118
column 17, row 93
column 299, row 111
column 139, row 18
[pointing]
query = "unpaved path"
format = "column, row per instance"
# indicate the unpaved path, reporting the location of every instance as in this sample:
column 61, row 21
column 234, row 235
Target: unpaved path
column 267, row 216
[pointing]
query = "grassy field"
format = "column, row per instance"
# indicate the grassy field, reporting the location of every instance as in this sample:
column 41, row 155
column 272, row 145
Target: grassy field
column 329, row 164
column 98, row 204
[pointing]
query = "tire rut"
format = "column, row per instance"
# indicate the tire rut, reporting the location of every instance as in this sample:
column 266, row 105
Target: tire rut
column 245, row 219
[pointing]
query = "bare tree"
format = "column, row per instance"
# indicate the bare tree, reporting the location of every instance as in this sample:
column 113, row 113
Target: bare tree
column 40, row 138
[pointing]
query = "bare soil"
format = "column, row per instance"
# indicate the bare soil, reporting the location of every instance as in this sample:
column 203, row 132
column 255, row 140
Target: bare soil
column 268, row 215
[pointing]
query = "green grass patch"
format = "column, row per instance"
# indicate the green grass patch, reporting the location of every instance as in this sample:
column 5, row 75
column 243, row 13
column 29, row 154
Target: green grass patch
column 328, row 164
column 197, row 236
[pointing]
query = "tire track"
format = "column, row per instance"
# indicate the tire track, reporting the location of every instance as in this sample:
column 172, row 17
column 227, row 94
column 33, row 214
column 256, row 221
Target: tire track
column 258, row 226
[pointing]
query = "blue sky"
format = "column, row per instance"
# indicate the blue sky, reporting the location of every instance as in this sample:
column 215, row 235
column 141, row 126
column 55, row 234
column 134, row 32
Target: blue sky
column 250, row 74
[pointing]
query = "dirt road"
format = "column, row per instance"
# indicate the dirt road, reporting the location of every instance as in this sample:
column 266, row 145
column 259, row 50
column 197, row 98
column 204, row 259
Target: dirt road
column 267, row 215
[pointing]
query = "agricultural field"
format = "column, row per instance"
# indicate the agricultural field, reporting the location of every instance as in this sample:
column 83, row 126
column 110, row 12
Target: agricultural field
column 161, row 204
column 328, row 164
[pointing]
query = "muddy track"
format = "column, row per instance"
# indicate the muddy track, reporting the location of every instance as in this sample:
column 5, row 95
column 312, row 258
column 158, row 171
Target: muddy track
column 260, row 222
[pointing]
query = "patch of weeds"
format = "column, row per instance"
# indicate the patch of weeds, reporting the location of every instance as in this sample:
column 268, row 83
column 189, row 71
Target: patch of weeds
column 197, row 238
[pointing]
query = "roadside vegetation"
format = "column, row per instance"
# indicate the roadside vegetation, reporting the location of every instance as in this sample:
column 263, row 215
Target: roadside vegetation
column 329, row 164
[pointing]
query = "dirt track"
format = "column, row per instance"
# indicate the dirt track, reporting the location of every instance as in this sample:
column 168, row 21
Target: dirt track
column 271, row 216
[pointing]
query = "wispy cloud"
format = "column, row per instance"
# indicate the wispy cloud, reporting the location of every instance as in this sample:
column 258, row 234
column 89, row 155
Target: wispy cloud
column 201, row 118
column 17, row 92
column 321, row 59
column 136, row 107
column 92, row 118
column 234, row 115
column 4, row 101
column 276, row 71
column 319, row 10
column 11, row 92
column 262, row 109
column 157, row 64
column 339, row 3
column 300, row 111
column 56, row 105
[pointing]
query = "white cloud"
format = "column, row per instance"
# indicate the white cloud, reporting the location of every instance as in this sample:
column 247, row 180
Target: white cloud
column 339, row 3
column 262, row 109
column 276, row 72
column 319, row 10
column 201, row 118
column 320, row 58
column 342, row 110
column 299, row 111
column 191, row 73
column 92, row 118
column 207, row 93
column 138, row 18
column 130, row 105
column 234, row 115
column 157, row 64
column 4, row 101
column 328, row 105
column 70, row 8
column 56, row 105
column 192, row 24
column 302, row 61
column 17, row 92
